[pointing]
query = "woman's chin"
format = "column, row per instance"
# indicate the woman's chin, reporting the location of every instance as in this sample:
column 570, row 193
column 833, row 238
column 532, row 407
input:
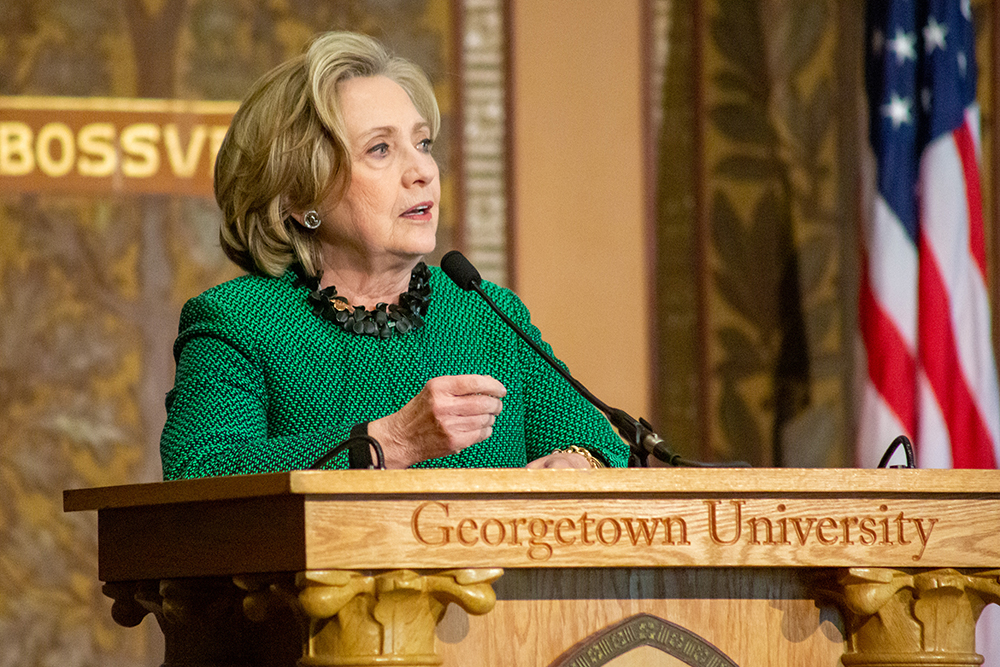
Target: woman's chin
column 415, row 252
column 424, row 244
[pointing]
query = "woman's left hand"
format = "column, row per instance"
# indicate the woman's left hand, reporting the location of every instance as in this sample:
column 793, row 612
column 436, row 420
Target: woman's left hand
column 560, row 460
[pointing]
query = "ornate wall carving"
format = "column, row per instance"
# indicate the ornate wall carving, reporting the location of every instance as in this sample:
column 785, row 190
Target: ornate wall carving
column 91, row 285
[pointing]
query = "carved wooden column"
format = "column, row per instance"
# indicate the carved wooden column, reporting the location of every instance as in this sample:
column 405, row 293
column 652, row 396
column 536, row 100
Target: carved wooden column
column 203, row 622
column 386, row 618
column 913, row 618
column 322, row 618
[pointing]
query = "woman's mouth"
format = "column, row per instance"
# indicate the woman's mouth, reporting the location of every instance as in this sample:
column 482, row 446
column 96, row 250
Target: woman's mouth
column 421, row 211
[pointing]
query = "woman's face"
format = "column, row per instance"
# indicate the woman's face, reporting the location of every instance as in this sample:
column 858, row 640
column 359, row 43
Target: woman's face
column 390, row 209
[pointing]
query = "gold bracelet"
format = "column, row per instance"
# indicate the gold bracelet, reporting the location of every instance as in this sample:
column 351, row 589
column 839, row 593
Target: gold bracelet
column 585, row 453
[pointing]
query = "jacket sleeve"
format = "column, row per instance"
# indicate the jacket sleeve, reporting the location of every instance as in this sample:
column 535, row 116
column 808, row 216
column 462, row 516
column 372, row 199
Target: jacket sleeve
column 217, row 410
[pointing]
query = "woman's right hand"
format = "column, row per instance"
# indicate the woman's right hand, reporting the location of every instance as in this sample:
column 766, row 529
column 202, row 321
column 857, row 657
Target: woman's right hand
column 449, row 414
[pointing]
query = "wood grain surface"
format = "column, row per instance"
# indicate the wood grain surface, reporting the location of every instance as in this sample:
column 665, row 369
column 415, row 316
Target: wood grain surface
column 755, row 617
column 626, row 482
column 549, row 519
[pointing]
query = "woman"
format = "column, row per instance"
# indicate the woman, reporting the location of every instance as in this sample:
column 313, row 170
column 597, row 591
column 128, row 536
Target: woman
column 330, row 197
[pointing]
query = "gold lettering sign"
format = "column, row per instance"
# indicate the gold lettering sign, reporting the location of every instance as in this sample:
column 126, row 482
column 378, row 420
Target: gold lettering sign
column 507, row 530
column 718, row 523
column 431, row 526
column 101, row 145
column 867, row 530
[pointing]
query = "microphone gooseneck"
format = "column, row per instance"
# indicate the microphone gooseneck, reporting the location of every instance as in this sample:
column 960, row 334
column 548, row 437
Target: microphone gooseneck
column 638, row 433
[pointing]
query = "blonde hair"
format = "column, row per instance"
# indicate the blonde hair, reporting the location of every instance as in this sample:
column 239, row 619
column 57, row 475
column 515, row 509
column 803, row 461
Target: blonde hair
column 286, row 149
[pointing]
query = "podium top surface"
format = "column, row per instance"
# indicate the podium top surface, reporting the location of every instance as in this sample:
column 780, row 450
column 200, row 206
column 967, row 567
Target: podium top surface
column 364, row 519
column 665, row 482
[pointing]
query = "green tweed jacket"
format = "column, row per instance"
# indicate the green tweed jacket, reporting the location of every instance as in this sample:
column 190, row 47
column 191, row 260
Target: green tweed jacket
column 263, row 384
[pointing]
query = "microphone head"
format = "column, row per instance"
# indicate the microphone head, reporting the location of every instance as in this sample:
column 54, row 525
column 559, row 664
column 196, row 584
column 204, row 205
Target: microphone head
column 459, row 269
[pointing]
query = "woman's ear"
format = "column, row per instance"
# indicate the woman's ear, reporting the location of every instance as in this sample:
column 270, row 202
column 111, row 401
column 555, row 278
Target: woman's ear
column 310, row 219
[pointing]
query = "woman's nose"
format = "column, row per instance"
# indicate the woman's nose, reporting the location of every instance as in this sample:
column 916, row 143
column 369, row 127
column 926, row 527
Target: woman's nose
column 421, row 170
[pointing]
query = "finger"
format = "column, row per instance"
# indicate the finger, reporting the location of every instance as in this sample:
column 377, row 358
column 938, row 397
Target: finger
column 537, row 464
column 567, row 461
column 469, row 424
column 551, row 462
column 476, row 404
column 465, row 385
column 559, row 460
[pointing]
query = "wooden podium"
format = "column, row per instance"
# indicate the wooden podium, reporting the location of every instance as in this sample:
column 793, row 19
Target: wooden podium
column 567, row 568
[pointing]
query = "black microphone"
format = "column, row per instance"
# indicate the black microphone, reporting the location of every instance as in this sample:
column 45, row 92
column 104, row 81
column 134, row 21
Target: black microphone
column 639, row 434
column 461, row 271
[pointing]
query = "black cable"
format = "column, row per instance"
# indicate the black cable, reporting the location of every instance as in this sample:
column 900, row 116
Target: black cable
column 353, row 441
column 907, row 449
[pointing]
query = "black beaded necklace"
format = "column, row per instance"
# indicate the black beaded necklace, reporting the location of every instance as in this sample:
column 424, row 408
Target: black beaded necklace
column 386, row 320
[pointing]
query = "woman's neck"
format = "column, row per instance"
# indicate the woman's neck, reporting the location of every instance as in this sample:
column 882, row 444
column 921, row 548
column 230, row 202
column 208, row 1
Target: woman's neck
column 368, row 287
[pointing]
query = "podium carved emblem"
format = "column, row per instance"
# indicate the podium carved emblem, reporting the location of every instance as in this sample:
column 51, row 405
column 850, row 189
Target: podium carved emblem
column 609, row 644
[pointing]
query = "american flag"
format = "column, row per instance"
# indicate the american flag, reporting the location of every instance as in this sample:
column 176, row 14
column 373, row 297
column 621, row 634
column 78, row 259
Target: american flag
column 924, row 307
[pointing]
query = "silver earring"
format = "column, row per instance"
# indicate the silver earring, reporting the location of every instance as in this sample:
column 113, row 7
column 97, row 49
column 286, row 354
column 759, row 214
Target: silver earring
column 311, row 220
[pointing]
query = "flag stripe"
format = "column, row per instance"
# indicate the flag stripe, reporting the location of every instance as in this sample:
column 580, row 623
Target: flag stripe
column 949, row 227
column 893, row 370
column 967, row 432
column 970, row 170
column 936, row 452
column 894, row 274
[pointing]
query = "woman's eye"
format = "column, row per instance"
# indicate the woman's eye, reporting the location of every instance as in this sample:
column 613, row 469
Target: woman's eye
column 425, row 145
column 379, row 149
